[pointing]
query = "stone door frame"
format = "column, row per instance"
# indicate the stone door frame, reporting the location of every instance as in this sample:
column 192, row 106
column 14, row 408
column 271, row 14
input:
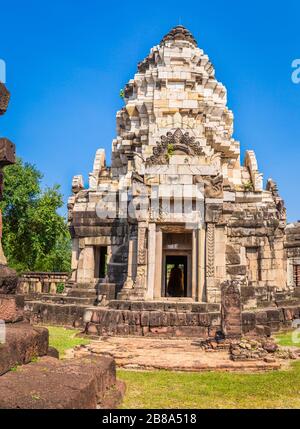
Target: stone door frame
column 155, row 262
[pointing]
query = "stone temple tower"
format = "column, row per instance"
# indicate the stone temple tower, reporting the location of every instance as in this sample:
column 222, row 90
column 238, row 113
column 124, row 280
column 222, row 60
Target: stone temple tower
column 177, row 215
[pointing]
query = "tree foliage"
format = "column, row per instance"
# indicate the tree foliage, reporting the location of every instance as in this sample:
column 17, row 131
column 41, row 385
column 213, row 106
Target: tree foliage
column 35, row 236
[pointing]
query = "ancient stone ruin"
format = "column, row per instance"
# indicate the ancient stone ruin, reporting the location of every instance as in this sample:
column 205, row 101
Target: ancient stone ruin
column 178, row 229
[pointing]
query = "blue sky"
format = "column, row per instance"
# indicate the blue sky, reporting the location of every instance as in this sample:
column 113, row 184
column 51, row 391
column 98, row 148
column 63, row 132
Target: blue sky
column 67, row 61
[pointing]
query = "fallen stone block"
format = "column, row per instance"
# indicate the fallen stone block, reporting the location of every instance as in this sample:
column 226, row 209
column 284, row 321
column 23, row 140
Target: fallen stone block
column 85, row 383
column 23, row 343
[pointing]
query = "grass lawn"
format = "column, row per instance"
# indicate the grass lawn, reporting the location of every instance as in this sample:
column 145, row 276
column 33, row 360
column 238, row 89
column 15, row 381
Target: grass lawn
column 286, row 339
column 63, row 339
column 161, row 389
column 164, row 389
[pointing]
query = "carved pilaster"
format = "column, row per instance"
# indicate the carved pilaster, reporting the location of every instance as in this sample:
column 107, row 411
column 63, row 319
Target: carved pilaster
column 210, row 250
column 142, row 245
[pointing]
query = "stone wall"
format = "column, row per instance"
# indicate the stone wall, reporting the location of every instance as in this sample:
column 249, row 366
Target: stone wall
column 154, row 318
column 38, row 283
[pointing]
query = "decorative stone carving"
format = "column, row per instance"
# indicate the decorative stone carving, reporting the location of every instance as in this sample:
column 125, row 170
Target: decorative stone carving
column 140, row 277
column 214, row 187
column 142, row 246
column 272, row 187
column 177, row 141
column 210, row 250
column 231, row 309
column 77, row 184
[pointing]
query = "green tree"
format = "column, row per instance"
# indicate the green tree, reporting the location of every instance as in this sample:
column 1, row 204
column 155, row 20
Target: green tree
column 35, row 236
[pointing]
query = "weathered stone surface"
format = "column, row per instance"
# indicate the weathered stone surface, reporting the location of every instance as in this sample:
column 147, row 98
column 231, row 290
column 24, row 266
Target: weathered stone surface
column 11, row 308
column 8, row 280
column 83, row 384
column 23, row 343
column 56, row 314
column 175, row 145
column 231, row 309
column 162, row 141
column 172, row 354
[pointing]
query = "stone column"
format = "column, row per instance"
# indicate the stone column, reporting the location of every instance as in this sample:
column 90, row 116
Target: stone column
column 74, row 261
column 201, row 293
column 86, row 265
column 231, row 309
column 151, row 261
column 129, row 284
column 158, row 265
column 194, row 264
column 210, row 261
column 290, row 273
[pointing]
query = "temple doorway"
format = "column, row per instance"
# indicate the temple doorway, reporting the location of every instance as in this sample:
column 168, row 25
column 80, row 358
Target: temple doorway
column 176, row 265
column 176, row 276
column 100, row 262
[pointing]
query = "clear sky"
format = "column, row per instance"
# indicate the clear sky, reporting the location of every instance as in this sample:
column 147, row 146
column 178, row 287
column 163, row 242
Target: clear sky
column 68, row 59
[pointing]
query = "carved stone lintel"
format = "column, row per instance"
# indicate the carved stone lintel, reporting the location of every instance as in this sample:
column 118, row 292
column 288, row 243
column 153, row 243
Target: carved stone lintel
column 180, row 142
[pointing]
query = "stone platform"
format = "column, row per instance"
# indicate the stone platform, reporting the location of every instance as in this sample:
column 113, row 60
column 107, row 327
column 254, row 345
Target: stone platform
column 142, row 318
column 166, row 354
column 23, row 344
column 55, row 313
column 85, row 383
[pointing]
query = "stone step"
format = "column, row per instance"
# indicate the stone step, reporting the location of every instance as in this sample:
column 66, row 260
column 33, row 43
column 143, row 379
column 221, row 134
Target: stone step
column 84, row 383
column 167, row 305
column 63, row 299
column 90, row 285
column 83, row 293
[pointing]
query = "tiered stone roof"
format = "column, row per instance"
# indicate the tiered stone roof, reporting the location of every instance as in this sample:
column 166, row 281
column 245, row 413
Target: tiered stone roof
column 179, row 33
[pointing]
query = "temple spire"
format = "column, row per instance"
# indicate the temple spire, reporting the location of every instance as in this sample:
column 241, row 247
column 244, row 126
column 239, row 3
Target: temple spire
column 179, row 33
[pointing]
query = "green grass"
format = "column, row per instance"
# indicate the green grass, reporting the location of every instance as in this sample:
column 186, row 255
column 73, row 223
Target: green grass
column 64, row 339
column 286, row 339
column 162, row 389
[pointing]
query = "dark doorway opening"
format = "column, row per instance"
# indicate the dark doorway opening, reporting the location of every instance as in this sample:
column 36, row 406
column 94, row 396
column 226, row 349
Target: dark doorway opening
column 176, row 276
column 102, row 267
